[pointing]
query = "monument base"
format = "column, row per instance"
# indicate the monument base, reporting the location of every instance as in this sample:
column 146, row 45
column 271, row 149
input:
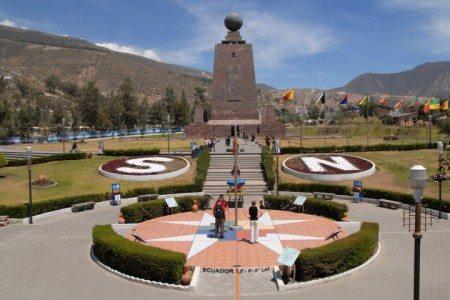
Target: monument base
column 223, row 128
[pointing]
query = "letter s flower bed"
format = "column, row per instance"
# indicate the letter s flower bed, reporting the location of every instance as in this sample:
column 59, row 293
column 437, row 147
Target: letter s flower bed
column 135, row 259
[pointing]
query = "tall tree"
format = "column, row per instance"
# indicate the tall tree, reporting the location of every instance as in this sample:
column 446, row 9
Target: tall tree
column 129, row 102
column 143, row 115
column 25, row 120
column 170, row 101
column 6, row 119
column 89, row 104
column 182, row 113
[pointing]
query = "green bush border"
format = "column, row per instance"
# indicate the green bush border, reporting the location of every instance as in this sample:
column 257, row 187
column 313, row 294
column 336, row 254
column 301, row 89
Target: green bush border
column 3, row 162
column 46, row 159
column 143, row 211
column 339, row 256
column 131, row 258
column 131, row 152
column 268, row 166
column 431, row 203
column 325, row 208
column 358, row 148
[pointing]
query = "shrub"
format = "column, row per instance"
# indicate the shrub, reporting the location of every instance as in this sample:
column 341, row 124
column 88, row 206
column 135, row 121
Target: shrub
column 143, row 211
column 268, row 167
column 45, row 159
column 357, row 148
column 202, row 169
column 367, row 192
column 139, row 191
column 21, row 210
column 339, row 256
column 315, row 187
column 176, row 189
column 131, row 152
column 325, row 208
column 135, row 259
column 2, row 160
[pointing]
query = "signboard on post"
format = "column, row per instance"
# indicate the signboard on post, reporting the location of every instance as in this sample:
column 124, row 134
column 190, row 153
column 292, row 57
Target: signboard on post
column 300, row 200
column 288, row 256
column 357, row 190
column 115, row 189
column 171, row 203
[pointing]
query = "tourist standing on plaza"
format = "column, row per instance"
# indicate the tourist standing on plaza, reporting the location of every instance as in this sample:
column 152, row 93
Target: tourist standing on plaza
column 254, row 213
column 253, row 137
column 219, row 209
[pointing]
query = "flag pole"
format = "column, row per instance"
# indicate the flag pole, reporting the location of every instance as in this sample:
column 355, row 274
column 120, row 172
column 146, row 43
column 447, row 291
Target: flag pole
column 367, row 120
column 325, row 117
column 416, row 104
column 348, row 123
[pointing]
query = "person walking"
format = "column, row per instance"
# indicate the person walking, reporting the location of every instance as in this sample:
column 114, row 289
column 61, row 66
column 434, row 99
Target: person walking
column 254, row 213
column 219, row 209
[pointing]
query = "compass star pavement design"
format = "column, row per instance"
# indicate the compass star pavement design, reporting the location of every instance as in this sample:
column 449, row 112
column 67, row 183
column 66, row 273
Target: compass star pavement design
column 193, row 234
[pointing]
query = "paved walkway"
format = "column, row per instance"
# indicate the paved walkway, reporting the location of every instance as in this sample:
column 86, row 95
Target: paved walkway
column 193, row 234
column 50, row 260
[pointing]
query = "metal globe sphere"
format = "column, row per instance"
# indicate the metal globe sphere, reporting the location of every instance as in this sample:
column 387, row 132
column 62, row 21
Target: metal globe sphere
column 233, row 22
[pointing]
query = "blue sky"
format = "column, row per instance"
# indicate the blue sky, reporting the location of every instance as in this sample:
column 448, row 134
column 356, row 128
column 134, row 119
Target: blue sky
column 309, row 44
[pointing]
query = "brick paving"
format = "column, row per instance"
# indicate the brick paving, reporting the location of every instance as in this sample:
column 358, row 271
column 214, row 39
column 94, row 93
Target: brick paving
column 192, row 234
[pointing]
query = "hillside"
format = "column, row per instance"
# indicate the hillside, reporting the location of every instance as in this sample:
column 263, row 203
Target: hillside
column 38, row 55
column 428, row 79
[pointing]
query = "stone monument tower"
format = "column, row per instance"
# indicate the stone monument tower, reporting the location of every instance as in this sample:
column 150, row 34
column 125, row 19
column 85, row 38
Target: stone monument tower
column 234, row 93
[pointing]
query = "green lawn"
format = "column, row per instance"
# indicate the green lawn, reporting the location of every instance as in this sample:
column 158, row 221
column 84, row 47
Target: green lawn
column 392, row 171
column 74, row 177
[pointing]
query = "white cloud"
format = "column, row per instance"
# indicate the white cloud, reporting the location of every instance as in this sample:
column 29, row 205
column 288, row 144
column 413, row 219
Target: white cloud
column 148, row 53
column 275, row 38
column 434, row 21
column 10, row 23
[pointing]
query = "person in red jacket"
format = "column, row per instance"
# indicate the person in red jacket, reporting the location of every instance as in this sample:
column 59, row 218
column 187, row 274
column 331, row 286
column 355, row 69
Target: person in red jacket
column 219, row 209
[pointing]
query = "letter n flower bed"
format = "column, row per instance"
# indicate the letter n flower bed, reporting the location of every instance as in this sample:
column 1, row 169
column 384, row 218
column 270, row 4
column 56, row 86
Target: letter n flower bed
column 135, row 259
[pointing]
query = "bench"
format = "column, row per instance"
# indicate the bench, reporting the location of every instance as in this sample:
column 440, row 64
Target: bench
column 4, row 221
column 148, row 197
column 82, row 206
column 325, row 196
column 389, row 204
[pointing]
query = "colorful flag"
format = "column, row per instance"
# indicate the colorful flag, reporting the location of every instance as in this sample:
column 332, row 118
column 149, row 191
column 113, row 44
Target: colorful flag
column 321, row 99
column 288, row 96
column 435, row 104
column 383, row 101
column 364, row 101
column 399, row 104
column 444, row 105
column 344, row 100
column 426, row 107
column 414, row 101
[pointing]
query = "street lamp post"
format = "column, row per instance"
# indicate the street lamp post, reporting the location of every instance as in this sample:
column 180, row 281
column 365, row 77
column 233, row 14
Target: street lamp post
column 168, row 134
column 63, row 131
column 276, row 148
column 429, row 129
column 236, row 150
column 440, row 175
column 30, row 202
column 418, row 180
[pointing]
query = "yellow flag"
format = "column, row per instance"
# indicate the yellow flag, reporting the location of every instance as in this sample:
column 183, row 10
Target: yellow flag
column 363, row 101
column 444, row 105
column 288, row 96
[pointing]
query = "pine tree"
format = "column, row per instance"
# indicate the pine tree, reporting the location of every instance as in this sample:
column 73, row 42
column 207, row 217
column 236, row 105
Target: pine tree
column 89, row 104
column 129, row 102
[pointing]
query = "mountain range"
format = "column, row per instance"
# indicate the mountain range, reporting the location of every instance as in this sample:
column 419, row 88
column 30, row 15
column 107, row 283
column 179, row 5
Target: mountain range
column 37, row 55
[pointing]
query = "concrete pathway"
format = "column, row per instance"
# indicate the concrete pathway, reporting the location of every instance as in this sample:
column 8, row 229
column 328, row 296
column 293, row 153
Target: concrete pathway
column 50, row 260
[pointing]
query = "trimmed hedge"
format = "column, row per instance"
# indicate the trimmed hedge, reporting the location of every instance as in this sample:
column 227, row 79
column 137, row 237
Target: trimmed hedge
column 143, row 211
column 21, row 210
column 315, row 187
column 367, row 192
column 131, row 258
column 131, row 152
column 175, row 189
column 357, row 148
column 138, row 191
column 268, row 167
column 202, row 169
column 325, row 208
column 3, row 162
column 45, row 159
column 339, row 256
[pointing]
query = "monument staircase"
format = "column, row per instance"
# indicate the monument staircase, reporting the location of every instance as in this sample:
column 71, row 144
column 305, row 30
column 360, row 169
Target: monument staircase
column 249, row 164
